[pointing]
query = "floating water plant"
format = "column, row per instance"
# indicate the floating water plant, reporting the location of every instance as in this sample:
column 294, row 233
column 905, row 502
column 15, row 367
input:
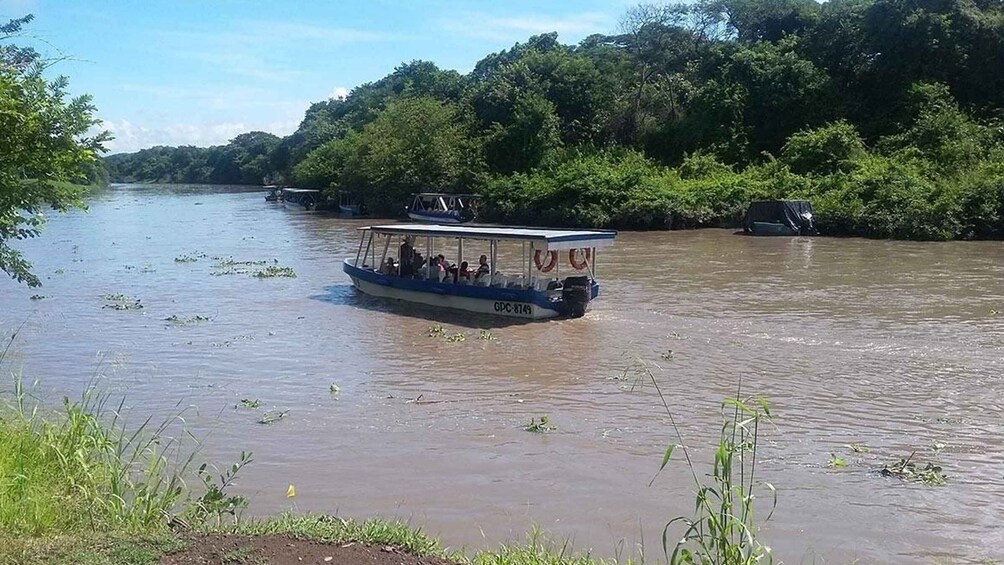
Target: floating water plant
column 273, row 271
column 857, row 448
column 486, row 335
column 906, row 470
column 457, row 337
column 272, row 416
column 185, row 259
column 37, row 297
column 334, row 388
column 248, row 403
column 836, row 461
column 437, row 331
column 178, row 320
column 540, row 426
column 667, row 355
column 122, row 302
column 229, row 266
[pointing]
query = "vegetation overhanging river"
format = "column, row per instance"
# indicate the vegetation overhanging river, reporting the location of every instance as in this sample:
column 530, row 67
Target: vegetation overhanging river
column 893, row 346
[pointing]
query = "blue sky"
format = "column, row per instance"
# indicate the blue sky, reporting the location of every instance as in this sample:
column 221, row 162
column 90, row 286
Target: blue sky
column 187, row 72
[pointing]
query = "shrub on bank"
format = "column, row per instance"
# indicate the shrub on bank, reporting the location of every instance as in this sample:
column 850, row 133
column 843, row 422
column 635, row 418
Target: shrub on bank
column 901, row 194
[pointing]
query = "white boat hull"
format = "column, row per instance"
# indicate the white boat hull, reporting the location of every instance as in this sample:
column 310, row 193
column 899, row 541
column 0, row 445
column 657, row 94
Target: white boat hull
column 506, row 308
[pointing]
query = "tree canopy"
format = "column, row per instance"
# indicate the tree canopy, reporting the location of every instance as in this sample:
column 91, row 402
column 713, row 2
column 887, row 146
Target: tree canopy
column 46, row 150
column 787, row 98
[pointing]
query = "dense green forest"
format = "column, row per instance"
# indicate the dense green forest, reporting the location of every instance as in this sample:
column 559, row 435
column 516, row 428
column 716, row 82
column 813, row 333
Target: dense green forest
column 887, row 114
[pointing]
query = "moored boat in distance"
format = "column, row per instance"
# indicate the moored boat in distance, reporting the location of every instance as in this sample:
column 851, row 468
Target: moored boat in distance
column 442, row 208
column 533, row 290
column 349, row 207
column 273, row 194
column 779, row 217
column 309, row 198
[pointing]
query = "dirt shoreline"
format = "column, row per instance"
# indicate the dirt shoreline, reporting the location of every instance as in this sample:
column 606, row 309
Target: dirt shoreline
column 232, row 549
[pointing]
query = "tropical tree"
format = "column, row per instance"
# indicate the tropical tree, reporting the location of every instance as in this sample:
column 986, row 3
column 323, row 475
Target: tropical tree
column 46, row 145
column 413, row 145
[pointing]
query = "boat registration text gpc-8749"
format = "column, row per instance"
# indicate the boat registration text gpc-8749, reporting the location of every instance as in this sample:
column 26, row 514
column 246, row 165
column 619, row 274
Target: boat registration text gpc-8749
column 453, row 266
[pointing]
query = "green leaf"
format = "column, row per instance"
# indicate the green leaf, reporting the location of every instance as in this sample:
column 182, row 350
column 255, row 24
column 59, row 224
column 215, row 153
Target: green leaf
column 667, row 455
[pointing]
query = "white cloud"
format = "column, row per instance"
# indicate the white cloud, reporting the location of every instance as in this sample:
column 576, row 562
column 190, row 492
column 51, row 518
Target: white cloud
column 131, row 137
column 512, row 28
column 261, row 49
column 285, row 32
column 339, row 93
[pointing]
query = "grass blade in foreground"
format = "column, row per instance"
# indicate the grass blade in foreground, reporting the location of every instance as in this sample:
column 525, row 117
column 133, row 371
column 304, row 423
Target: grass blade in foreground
column 724, row 529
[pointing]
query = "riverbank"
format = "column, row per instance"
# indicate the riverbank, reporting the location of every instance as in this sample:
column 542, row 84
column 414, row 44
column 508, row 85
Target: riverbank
column 80, row 487
column 83, row 488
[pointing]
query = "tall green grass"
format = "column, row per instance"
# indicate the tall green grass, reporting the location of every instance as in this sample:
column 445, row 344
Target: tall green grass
column 724, row 529
column 79, row 469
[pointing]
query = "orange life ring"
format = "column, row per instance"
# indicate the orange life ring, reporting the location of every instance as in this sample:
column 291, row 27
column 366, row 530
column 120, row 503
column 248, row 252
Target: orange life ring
column 578, row 266
column 553, row 260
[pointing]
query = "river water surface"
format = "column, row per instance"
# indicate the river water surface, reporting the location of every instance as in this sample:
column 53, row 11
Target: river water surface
column 894, row 346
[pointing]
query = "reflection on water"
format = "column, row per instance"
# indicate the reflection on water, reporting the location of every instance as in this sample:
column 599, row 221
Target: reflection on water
column 893, row 345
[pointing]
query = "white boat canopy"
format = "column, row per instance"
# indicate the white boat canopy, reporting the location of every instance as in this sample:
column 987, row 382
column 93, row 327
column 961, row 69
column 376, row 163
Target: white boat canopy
column 542, row 239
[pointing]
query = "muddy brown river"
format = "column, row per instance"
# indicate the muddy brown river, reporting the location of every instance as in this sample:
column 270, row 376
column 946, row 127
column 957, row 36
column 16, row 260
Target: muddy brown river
column 894, row 346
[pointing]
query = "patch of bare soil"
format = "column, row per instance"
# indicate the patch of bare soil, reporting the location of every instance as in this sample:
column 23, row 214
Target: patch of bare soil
column 286, row 550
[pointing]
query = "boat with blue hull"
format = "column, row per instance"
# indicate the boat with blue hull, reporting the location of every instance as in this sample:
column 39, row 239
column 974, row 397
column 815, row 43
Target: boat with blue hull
column 532, row 288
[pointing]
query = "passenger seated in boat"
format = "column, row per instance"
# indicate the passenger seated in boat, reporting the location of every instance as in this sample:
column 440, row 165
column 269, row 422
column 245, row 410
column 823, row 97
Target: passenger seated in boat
column 436, row 270
column 463, row 273
column 484, row 268
column 417, row 262
column 388, row 267
column 450, row 269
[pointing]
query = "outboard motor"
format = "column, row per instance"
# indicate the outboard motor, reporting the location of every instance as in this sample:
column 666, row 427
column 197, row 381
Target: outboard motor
column 575, row 295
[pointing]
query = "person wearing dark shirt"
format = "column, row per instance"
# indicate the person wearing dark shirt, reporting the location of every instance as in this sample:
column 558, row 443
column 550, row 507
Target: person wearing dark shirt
column 407, row 258
column 484, row 269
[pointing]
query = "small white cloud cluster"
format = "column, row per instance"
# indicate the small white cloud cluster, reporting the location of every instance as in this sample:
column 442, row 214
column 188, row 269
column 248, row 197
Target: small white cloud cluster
column 339, row 93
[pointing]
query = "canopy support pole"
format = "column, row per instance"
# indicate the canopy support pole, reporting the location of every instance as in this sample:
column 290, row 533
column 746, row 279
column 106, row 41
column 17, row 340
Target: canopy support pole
column 493, row 248
column 523, row 266
column 359, row 252
column 529, row 262
column 369, row 241
column 386, row 246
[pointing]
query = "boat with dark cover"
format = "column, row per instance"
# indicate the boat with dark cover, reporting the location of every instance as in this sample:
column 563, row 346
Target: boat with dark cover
column 779, row 217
